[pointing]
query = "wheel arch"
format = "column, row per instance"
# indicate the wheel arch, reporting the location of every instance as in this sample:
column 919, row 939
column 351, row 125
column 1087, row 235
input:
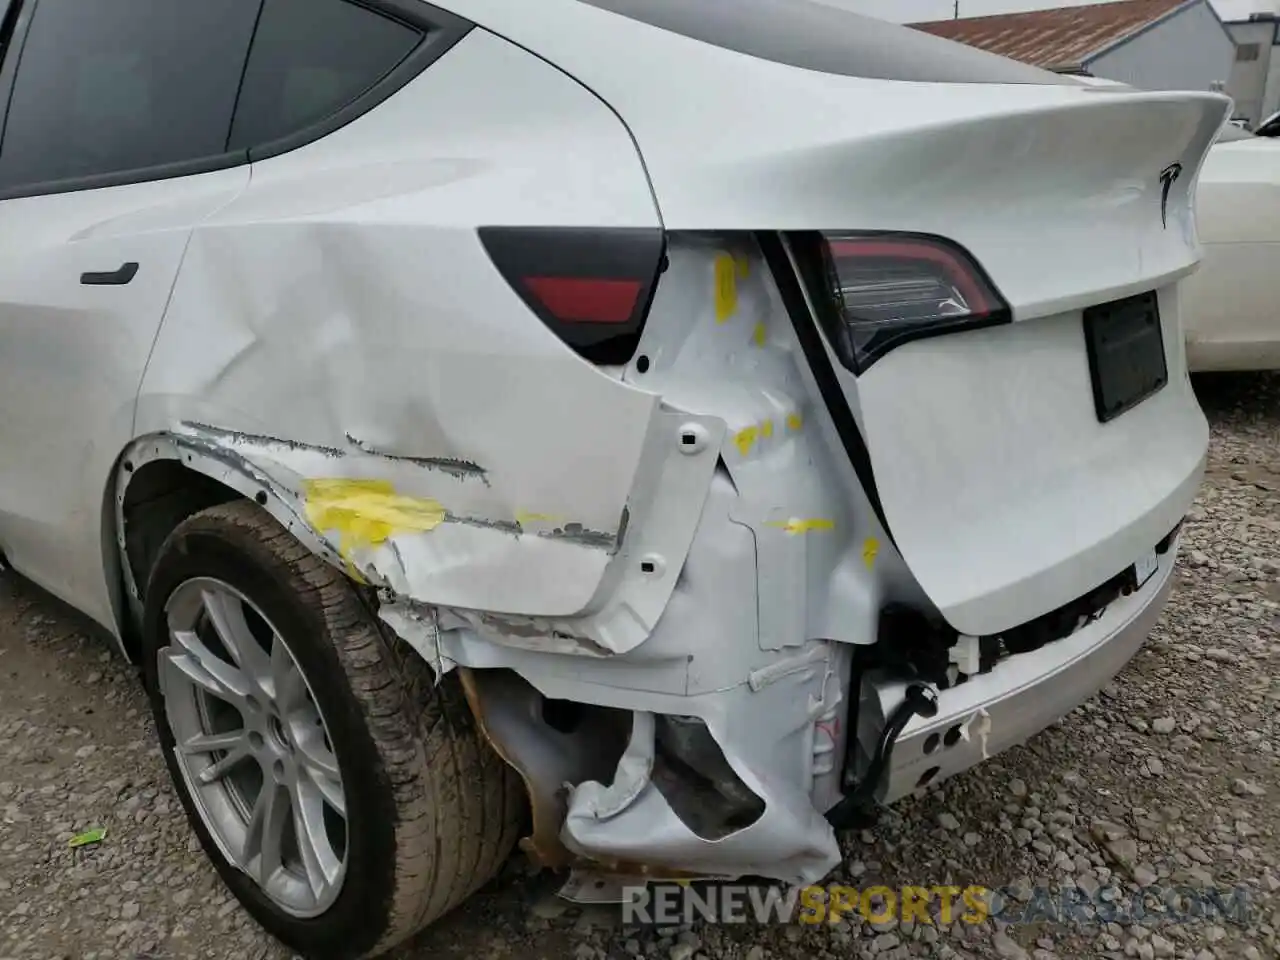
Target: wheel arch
column 162, row 479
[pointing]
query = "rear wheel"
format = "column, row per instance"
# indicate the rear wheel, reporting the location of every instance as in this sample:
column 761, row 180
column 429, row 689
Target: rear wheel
column 345, row 798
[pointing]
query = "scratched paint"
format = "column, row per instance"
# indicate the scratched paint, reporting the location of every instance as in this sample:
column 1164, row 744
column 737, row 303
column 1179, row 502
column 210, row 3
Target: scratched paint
column 870, row 550
column 366, row 513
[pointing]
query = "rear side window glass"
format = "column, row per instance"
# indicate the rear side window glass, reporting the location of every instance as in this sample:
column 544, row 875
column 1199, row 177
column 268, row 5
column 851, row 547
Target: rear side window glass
column 823, row 36
column 311, row 58
column 105, row 88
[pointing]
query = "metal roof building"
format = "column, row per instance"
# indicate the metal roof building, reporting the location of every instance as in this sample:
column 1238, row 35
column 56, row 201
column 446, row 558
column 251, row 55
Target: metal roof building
column 1153, row 44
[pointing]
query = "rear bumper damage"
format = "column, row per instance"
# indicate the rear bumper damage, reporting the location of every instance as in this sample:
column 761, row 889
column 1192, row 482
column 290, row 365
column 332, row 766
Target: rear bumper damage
column 1019, row 697
column 678, row 650
column 777, row 739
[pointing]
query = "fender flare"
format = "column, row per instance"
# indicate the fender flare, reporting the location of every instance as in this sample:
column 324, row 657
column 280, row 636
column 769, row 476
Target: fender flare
column 217, row 463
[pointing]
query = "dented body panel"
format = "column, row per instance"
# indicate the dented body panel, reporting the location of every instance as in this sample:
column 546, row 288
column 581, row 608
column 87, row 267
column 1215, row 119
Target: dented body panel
column 346, row 275
column 680, row 546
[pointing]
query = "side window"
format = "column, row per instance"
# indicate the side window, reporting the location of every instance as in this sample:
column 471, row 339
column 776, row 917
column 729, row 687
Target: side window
column 106, row 88
column 311, row 58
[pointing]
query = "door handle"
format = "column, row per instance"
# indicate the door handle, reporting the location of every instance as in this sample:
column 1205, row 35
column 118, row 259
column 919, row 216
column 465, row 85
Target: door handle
column 116, row 278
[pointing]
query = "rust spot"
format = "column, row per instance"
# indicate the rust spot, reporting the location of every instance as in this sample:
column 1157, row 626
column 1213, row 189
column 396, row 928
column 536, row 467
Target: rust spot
column 543, row 845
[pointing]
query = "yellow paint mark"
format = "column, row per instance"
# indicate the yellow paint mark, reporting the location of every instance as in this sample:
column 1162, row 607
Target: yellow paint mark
column 726, row 288
column 364, row 513
column 803, row 526
column 743, row 265
column 870, row 548
column 523, row 517
column 745, row 438
column 759, row 334
column 767, row 428
column 794, row 421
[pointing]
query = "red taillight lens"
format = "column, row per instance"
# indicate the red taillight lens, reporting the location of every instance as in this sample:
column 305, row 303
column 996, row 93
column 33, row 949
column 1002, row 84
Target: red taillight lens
column 888, row 289
column 591, row 287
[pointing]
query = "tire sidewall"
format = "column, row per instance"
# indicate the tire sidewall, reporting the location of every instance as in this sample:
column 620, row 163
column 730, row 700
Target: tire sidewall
column 354, row 924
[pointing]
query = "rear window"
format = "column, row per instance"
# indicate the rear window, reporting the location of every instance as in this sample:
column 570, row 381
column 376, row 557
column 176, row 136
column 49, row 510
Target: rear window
column 821, row 35
column 310, row 58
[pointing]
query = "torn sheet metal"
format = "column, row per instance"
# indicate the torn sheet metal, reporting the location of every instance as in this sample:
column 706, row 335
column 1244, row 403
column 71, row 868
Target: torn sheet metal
column 418, row 627
column 1017, row 698
column 507, row 710
column 682, row 531
column 329, row 327
column 437, row 532
column 734, row 350
column 596, row 802
column 340, row 350
column 629, row 819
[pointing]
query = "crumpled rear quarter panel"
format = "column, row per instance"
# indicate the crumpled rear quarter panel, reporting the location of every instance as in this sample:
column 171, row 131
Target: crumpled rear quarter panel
column 691, row 531
column 341, row 327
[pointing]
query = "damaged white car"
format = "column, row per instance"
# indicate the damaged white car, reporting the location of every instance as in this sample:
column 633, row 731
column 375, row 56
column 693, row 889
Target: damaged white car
column 660, row 429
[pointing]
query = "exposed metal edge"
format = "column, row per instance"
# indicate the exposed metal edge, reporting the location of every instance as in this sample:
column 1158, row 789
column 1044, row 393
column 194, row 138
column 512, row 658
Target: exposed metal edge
column 220, row 464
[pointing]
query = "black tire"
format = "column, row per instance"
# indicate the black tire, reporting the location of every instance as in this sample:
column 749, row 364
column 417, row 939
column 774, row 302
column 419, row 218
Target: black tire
column 433, row 812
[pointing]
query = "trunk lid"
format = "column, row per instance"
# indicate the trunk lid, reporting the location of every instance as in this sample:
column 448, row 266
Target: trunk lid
column 1003, row 491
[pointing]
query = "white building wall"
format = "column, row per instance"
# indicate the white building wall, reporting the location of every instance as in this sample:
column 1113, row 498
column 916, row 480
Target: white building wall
column 1187, row 51
column 1249, row 77
column 1232, row 10
column 1271, row 98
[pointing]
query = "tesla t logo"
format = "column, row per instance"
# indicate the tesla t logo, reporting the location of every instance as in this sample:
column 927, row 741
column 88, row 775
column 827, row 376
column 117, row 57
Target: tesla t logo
column 1168, row 177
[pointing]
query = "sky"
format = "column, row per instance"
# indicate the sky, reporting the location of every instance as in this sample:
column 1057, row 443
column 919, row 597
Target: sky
column 908, row 11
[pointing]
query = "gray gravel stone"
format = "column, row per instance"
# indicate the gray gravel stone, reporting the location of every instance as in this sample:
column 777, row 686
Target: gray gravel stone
column 1006, row 947
column 1169, row 774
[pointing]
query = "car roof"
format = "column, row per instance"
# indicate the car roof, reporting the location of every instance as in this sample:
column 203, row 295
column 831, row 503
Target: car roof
column 824, row 36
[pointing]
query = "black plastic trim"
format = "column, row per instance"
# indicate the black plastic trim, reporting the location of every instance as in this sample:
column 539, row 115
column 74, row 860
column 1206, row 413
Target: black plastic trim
column 167, row 171
column 442, row 31
column 13, row 34
column 1091, row 318
column 244, row 72
column 111, row 278
column 810, row 337
column 596, row 252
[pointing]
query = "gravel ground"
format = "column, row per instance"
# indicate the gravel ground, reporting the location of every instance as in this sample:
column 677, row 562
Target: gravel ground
column 1170, row 776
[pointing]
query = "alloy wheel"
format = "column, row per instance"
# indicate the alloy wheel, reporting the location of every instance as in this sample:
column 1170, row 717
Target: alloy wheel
column 253, row 746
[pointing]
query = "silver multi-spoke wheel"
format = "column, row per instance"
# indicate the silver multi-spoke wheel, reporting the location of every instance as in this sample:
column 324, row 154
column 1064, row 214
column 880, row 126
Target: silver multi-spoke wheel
column 341, row 790
column 253, row 746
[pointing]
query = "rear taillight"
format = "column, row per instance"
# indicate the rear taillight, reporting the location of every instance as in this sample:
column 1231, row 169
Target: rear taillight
column 591, row 287
column 885, row 289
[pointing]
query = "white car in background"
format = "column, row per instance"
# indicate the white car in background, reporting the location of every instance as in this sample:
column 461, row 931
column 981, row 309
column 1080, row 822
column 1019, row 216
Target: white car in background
column 1230, row 309
column 1269, row 127
column 1229, row 312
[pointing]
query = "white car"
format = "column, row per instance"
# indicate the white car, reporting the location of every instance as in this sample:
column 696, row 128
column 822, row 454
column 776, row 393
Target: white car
column 1270, row 127
column 1232, row 321
column 649, row 425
